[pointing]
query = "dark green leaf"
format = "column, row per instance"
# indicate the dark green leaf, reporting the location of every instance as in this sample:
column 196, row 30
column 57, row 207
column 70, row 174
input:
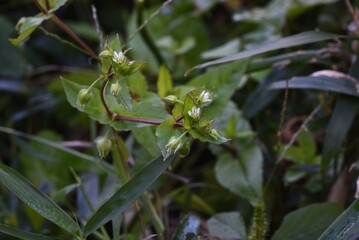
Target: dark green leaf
column 127, row 194
column 151, row 107
column 307, row 223
column 24, row 235
column 36, row 200
column 190, row 224
column 227, row 225
column 222, row 81
column 286, row 42
column 146, row 137
column 115, row 44
column 346, row 226
column 342, row 118
column 339, row 85
column 241, row 173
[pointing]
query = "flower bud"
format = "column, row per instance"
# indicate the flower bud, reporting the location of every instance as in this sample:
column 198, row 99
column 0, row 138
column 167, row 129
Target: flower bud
column 173, row 145
column 171, row 99
column 204, row 99
column 104, row 146
column 84, row 97
column 115, row 89
column 105, row 54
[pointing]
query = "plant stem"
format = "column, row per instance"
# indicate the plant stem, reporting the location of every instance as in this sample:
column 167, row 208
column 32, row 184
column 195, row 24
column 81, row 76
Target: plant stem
column 117, row 117
column 68, row 30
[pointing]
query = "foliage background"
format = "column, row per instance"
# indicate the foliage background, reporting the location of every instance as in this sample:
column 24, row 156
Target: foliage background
column 211, row 179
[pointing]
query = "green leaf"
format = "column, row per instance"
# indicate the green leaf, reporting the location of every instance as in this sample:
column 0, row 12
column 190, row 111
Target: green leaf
column 190, row 224
column 115, row 44
column 164, row 82
column 227, row 225
column 345, row 226
column 127, row 194
column 124, row 96
column 286, row 42
column 147, row 138
column 343, row 115
column 150, row 107
column 36, row 200
column 241, row 173
column 222, row 81
column 206, row 136
column 23, row 234
column 323, row 83
column 165, row 132
column 305, row 152
column 26, row 25
column 308, row 223
column 53, row 4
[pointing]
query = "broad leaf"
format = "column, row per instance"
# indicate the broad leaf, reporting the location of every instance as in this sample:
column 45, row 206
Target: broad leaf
column 227, row 225
column 164, row 82
column 241, row 172
column 146, row 137
column 36, row 200
column 339, row 85
column 150, row 107
column 286, row 42
column 127, row 194
column 222, row 81
column 308, row 223
column 53, row 4
column 346, row 226
column 15, row 232
column 190, row 224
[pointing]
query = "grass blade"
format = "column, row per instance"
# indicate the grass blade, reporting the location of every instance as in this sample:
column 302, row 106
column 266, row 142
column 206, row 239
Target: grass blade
column 127, row 194
column 286, row 42
column 23, row 234
column 323, row 83
column 36, row 200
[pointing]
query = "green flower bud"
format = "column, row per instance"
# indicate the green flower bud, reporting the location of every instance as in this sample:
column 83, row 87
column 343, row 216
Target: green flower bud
column 115, row 89
column 216, row 135
column 104, row 146
column 106, row 54
column 173, row 145
column 171, row 99
column 84, row 97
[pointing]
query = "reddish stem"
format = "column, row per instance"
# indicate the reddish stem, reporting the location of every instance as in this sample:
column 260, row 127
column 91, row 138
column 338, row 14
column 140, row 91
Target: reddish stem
column 64, row 27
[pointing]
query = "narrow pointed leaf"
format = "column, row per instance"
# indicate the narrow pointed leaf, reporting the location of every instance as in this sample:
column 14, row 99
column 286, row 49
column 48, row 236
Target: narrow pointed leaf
column 23, row 234
column 341, row 120
column 127, row 194
column 323, row 83
column 36, row 200
column 346, row 226
column 286, row 42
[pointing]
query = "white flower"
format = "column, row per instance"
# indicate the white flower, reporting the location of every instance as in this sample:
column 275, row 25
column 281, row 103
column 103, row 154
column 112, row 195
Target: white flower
column 205, row 98
column 195, row 113
column 119, row 57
